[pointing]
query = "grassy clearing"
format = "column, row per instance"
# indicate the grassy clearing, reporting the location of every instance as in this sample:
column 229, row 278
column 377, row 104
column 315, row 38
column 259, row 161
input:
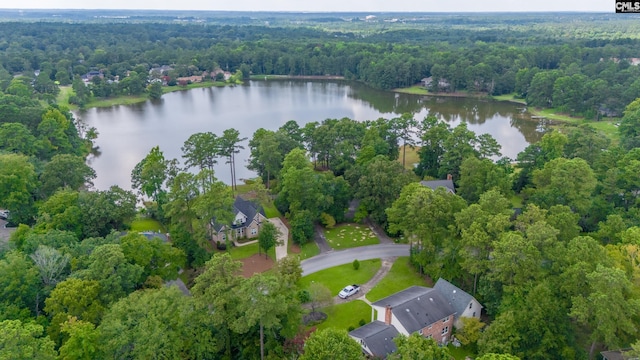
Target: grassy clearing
column 460, row 353
column 145, row 224
column 411, row 157
column 308, row 250
column 206, row 84
column 350, row 235
column 63, row 96
column 510, row 98
column 338, row 277
column 416, row 90
column 609, row 128
column 243, row 252
column 120, row 100
column 270, row 210
column 401, row 276
column 343, row 316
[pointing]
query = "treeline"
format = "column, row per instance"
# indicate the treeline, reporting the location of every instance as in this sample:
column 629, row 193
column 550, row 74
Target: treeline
column 578, row 75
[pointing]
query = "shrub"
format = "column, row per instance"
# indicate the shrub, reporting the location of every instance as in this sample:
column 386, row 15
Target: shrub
column 304, row 296
column 221, row 246
column 351, row 328
column 362, row 322
column 356, row 264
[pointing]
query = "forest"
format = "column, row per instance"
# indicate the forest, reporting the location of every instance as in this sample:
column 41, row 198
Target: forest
column 548, row 242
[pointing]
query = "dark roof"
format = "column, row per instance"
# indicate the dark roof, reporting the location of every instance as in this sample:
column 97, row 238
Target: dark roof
column 615, row 354
column 434, row 184
column 417, row 307
column 247, row 207
column 378, row 337
column 457, row 298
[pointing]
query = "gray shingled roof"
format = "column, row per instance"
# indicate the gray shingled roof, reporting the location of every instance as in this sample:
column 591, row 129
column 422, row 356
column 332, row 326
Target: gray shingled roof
column 378, row 337
column 434, row 184
column 458, row 298
column 247, row 207
column 417, row 307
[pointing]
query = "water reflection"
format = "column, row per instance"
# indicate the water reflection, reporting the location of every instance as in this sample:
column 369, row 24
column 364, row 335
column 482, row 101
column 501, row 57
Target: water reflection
column 127, row 133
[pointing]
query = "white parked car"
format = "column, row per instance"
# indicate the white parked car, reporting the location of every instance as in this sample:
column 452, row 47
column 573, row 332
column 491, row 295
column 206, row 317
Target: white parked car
column 348, row 291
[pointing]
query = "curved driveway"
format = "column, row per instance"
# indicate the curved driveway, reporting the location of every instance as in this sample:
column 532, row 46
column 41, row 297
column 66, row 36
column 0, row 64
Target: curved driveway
column 335, row 258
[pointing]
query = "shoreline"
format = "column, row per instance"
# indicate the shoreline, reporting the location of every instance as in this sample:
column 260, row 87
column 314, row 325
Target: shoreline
column 608, row 126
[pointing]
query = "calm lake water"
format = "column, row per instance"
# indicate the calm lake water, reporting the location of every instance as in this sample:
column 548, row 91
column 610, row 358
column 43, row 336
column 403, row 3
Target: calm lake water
column 127, row 133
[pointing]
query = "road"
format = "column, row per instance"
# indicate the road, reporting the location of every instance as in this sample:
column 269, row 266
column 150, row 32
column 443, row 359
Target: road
column 335, row 258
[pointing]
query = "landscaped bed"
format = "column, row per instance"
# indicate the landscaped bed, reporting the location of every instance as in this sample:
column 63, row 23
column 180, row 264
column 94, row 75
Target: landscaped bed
column 350, row 235
column 401, row 276
column 338, row 277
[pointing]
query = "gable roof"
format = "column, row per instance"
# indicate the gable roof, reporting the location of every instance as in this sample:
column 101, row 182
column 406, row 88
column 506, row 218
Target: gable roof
column 247, row 207
column 434, row 184
column 616, row 354
column 417, row 307
column 458, row 298
column 378, row 337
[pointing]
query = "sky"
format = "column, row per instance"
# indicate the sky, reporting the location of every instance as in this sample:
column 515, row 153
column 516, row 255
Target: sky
column 325, row 5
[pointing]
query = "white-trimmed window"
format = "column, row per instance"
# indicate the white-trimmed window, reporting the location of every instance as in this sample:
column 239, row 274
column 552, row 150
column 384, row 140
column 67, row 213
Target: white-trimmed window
column 420, row 331
column 445, row 319
column 224, row 237
column 470, row 305
column 445, row 330
column 254, row 231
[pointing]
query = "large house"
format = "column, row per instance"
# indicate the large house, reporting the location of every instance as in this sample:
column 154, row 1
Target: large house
column 249, row 217
column 430, row 312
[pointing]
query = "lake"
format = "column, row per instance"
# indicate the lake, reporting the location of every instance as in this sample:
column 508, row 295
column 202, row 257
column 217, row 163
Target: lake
column 128, row 132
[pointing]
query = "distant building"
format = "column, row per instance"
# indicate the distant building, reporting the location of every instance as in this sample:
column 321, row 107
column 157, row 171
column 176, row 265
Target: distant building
column 447, row 184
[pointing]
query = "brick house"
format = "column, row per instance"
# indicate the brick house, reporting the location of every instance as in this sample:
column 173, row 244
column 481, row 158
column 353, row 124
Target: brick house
column 430, row 312
column 249, row 217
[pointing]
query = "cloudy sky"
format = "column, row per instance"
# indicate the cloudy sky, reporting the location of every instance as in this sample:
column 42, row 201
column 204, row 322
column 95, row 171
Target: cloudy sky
column 323, row 5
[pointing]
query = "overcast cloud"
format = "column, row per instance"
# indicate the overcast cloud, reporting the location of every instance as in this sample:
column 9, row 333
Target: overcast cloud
column 324, row 5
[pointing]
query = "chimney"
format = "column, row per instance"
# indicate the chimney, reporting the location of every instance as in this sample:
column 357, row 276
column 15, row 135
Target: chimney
column 449, row 177
column 387, row 315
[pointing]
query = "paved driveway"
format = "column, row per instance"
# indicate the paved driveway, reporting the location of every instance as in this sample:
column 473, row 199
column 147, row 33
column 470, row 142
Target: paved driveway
column 5, row 232
column 335, row 258
column 281, row 250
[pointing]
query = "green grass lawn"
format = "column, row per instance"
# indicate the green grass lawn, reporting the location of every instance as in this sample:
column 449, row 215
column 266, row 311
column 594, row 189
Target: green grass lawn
column 416, row 89
column 64, row 94
column 120, row 100
column 243, row 252
column 308, row 250
column 401, row 276
column 338, row 277
column 342, row 316
column 145, row 224
column 350, row 235
column 460, row 353
column 270, row 210
column 608, row 128
column 509, row 97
